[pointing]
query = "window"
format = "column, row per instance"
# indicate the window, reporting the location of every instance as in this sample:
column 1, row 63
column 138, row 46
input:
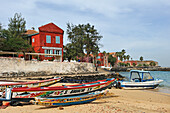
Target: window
column 48, row 51
column 60, row 52
column 57, row 52
column 135, row 75
column 33, row 40
column 48, row 39
column 57, row 38
column 98, row 57
column 147, row 76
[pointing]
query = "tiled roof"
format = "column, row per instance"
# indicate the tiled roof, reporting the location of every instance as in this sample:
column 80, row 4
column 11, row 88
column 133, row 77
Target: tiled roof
column 112, row 53
column 29, row 32
column 51, row 27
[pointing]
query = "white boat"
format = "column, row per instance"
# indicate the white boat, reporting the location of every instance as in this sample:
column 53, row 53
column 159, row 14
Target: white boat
column 140, row 80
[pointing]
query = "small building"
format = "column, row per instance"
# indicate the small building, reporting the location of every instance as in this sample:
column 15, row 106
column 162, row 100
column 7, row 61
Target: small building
column 142, row 63
column 102, row 60
column 49, row 40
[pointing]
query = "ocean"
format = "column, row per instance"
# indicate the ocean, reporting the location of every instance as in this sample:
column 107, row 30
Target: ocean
column 164, row 75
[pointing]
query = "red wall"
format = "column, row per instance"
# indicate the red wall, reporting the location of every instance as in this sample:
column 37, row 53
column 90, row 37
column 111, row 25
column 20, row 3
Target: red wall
column 101, row 59
column 40, row 39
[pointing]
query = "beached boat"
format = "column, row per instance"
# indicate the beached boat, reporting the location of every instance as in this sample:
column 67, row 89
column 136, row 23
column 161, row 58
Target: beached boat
column 140, row 80
column 70, row 100
column 12, row 84
column 27, row 94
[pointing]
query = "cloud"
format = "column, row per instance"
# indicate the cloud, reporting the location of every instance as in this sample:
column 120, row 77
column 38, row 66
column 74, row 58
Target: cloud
column 139, row 26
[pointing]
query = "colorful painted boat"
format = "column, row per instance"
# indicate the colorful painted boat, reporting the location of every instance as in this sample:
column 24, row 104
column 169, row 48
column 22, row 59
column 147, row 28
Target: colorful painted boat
column 140, row 80
column 70, row 100
column 11, row 84
column 27, row 94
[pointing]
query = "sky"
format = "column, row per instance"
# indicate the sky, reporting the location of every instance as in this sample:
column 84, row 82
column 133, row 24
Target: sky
column 141, row 27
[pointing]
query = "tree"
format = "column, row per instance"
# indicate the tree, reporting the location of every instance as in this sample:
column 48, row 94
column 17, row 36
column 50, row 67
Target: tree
column 1, row 37
column 141, row 58
column 121, row 58
column 128, row 64
column 152, row 63
column 123, row 52
column 83, row 38
column 0, row 26
column 118, row 54
column 12, row 37
column 16, row 26
column 112, row 60
column 134, row 64
column 16, row 45
column 139, row 65
column 124, row 57
column 128, row 57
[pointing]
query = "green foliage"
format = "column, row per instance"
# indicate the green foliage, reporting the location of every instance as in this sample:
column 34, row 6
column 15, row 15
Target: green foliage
column 16, row 26
column 124, row 57
column 121, row 55
column 11, row 39
column 112, row 60
column 139, row 65
column 83, row 38
column 128, row 64
column 153, row 64
column 145, row 65
column 128, row 57
column 15, row 45
column 123, row 52
column 51, row 59
column 141, row 58
column 134, row 64
column 121, row 64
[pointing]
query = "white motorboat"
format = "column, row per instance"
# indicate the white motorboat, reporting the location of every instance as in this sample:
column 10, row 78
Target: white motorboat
column 140, row 80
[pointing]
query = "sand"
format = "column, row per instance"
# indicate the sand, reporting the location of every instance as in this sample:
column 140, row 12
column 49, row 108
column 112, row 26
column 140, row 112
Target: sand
column 116, row 101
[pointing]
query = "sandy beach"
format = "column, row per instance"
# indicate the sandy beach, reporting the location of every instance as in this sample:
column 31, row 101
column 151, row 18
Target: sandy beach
column 116, row 101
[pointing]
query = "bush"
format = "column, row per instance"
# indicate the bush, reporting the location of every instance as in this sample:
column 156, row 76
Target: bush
column 139, row 65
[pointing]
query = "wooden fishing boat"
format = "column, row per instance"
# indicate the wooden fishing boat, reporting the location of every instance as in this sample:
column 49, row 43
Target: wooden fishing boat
column 140, row 80
column 70, row 100
column 27, row 94
column 12, row 84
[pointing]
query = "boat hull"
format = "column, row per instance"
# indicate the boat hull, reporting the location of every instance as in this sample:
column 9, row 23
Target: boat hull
column 141, row 85
column 35, row 84
column 61, row 91
column 72, row 100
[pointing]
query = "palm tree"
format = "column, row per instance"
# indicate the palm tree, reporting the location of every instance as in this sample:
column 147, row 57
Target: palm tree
column 123, row 52
column 121, row 58
column 125, row 57
column 104, row 57
column 141, row 58
column 118, row 55
column 128, row 57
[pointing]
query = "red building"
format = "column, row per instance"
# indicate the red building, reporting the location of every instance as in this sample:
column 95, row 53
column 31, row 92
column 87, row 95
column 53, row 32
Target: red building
column 49, row 40
column 100, row 59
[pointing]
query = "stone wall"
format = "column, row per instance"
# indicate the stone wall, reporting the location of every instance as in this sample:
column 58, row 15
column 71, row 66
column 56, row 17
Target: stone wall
column 20, row 67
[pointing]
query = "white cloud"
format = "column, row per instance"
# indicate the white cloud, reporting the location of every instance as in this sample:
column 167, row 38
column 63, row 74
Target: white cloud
column 139, row 26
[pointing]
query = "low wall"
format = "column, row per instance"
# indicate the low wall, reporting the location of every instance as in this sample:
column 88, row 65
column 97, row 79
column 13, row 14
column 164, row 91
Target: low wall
column 20, row 67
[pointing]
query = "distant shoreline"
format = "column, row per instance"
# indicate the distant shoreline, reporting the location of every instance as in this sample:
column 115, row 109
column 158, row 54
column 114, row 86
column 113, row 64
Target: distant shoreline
column 156, row 68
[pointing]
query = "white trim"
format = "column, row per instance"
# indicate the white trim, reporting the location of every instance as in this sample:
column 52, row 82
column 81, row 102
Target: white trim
column 52, row 48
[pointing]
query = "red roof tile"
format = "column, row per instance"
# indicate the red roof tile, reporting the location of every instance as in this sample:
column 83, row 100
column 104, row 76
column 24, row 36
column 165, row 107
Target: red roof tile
column 51, row 27
column 29, row 32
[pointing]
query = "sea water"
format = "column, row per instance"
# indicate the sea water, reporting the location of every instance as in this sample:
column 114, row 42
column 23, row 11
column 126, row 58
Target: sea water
column 163, row 75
